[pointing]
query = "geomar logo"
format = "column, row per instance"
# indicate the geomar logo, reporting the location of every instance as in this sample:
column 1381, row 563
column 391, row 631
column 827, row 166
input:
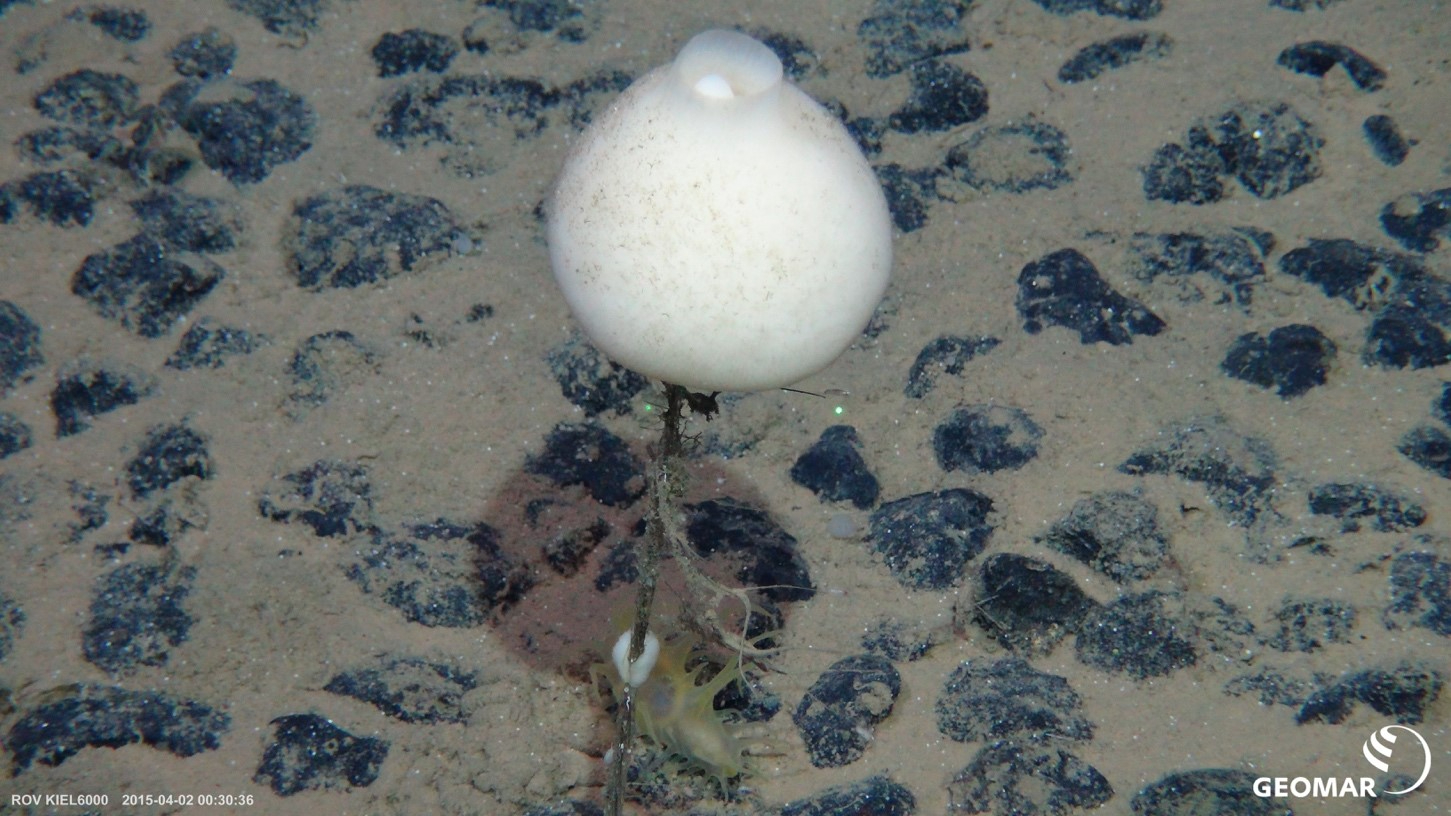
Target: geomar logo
column 1378, row 750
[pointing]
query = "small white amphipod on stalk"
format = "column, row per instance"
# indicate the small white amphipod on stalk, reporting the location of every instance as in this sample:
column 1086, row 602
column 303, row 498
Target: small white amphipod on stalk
column 635, row 672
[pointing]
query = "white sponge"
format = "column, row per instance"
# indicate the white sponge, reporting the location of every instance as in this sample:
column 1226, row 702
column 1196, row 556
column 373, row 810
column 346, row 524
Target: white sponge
column 716, row 228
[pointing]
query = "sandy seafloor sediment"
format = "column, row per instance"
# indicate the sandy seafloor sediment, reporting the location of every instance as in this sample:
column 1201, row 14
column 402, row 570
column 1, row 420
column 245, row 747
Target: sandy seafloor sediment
column 193, row 554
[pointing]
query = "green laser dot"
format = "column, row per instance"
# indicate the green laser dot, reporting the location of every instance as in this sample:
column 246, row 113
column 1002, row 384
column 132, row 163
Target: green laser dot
column 839, row 410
